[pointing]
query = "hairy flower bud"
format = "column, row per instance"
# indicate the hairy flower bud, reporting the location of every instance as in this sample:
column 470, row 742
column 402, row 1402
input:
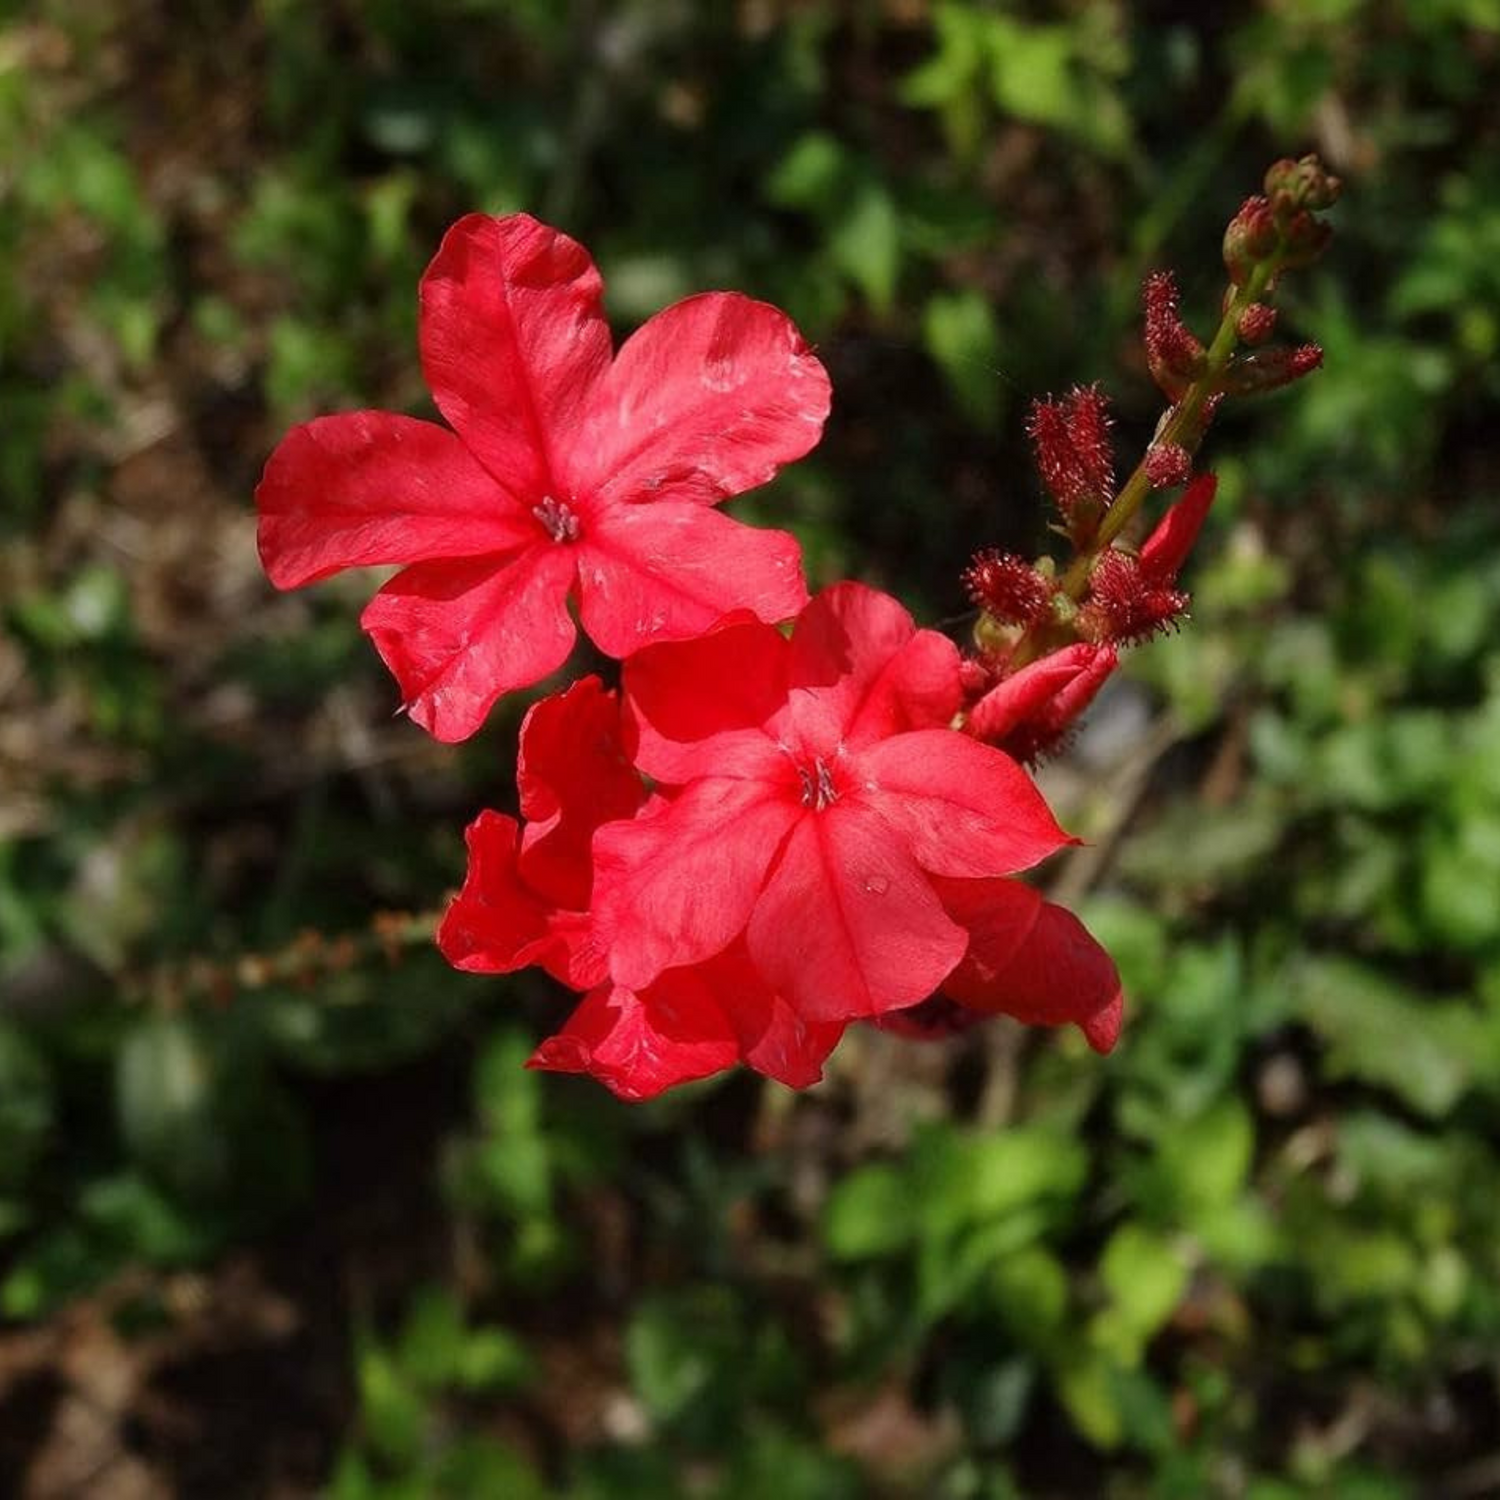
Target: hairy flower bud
column 1127, row 603
column 1168, row 465
column 1007, row 587
column 1269, row 369
column 1174, row 354
column 1256, row 323
column 1070, row 440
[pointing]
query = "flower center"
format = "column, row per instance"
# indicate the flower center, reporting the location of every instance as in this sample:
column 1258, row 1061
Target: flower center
column 818, row 790
column 557, row 520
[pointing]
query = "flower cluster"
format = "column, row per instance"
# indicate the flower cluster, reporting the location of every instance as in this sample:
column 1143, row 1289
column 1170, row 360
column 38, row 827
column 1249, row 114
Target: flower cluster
column 1048, row 639
column 793, row 813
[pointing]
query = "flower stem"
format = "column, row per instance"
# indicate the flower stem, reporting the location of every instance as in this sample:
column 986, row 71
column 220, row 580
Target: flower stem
column 1183, row 427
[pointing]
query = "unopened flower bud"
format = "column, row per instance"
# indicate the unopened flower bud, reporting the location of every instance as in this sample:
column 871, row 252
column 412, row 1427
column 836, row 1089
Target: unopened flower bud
column 1007, row 587
column 1270, row 369
column 1167, row 547
column 1305, row 183
column 1070, row 439
column 1256, row 323
column 1173, row 353
column 1127, row 601
column 1168, row 465
column 1306, row 239
column 1251, row 237
column 1029, row 713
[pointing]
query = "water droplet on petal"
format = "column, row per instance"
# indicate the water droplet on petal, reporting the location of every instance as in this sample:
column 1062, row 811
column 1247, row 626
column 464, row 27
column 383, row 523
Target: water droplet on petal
column 877, row 885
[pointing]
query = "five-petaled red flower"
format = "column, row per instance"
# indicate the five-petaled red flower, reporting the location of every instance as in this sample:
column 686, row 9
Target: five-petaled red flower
column 567, row 471
column 525, row 901
column 815, row 803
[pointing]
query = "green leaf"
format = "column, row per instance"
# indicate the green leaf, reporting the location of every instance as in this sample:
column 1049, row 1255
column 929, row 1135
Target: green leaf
column 392, row 1413
column 26, row 1109
column 869, row 1214
column 1030, row 1291
column 967, row 1180
column 1145, row 1277
column 866, row 243
column 963, row 338
column 1425, row 1051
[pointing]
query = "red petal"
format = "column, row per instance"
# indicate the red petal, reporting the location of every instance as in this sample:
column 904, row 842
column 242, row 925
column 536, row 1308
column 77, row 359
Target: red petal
column 999, row 916
column 1167, row 547
column 869, row 666
column 1045, row 969
column 669, row 571
column 677, row 884
column 459, row 634
column 961, row 807
column 848, row 925
column 638, row 1044
column 497, row 924
column 514, row 343
column 698, row 707
column 707, row 400
column 1020, row 697
column 573, row 774
column 773, row 1038
column 372, row 487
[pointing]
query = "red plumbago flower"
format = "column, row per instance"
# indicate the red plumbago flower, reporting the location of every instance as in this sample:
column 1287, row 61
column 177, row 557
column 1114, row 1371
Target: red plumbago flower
column 568, row 470
column 526, row 897
column 813, row 794
column 525, row 900
column 1031, row 959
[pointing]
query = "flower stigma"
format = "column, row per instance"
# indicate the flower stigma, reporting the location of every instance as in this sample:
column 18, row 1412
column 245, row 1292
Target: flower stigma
column 557, row 520
column 818, row 790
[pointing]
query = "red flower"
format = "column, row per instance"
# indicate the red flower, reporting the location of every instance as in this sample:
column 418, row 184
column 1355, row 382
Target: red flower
column 525, row 901
column 566, row 471
column 812, row 791
column 1031, row 959
column 688, row 1024
column 525, row 898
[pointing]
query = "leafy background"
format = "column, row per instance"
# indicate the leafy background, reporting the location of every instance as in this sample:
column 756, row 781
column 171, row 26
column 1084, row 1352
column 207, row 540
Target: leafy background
column 280, row 1212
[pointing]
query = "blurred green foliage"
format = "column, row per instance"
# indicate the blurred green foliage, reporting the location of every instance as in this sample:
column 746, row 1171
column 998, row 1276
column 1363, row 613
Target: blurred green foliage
column 1254, row 1253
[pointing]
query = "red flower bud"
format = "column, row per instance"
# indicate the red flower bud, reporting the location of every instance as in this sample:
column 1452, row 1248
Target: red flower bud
column 1007, row 587
column 1070, row 439
column 1126, row 603
column 1168, row 465
column 1167, row 547
column 1306, row 239
column 1027, row 696
column 1270, row 369
column 1174, row 355
column 1252, row 235
column 1256, row 323
column 1030, row 715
